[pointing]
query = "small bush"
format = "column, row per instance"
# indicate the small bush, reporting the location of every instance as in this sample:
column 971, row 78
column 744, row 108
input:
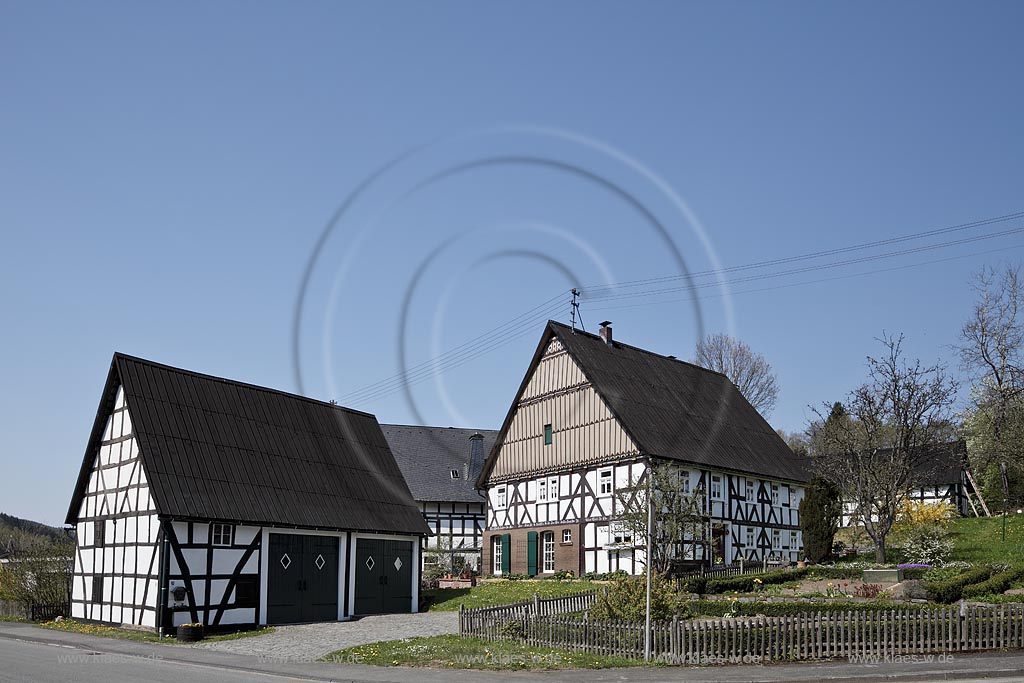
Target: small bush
column 995, row 585
column 626, row 600
column 563, row 575
column 515, row 577
column 745, row 584
column 609, row 576
column 719, row 608
column 868, row 590
column 512, row 629
column 694, row 584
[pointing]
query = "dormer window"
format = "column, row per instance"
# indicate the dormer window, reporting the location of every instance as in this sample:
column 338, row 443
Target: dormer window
column 455, row 474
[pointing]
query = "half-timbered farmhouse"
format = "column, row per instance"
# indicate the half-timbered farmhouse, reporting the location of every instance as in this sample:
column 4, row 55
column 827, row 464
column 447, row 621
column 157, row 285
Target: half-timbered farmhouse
column 590, row 417
column 204, row 500
column 441, row 465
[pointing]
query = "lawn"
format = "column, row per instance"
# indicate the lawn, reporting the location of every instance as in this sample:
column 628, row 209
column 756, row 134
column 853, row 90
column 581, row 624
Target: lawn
column 454, row 652
column 144, row 636
column 979, row 539
column 502, row 593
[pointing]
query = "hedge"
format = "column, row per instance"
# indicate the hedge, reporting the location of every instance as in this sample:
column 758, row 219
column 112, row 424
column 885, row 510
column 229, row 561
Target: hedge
column 996, row 584
column 719, row 608
column 745, row 584
column 951, row 590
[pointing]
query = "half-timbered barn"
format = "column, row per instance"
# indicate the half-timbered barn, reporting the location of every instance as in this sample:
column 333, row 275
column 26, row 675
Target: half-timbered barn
column 441, row 465
column 940, row 475
column 590, row 417
column 205, row 500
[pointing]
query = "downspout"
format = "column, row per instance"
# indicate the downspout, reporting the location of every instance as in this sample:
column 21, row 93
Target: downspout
column 165, row 570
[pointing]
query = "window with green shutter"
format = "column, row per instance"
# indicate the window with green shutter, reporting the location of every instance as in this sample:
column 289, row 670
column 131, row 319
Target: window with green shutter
column 531, row 553
column 506, row 553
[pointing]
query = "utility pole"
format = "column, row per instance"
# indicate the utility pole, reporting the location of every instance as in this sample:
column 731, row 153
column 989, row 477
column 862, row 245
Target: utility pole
column 574, row 308
column 650, row 552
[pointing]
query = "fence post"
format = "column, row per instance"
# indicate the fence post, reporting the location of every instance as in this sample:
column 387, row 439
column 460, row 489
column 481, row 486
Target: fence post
column 462, row 614
column 673, row 638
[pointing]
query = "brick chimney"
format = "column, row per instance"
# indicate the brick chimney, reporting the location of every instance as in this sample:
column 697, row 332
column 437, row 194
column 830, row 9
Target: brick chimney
column 606, row 332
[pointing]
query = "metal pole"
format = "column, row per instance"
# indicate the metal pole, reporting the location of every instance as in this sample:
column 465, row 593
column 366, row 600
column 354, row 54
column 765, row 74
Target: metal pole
column 1006, row 495
column 650, row 552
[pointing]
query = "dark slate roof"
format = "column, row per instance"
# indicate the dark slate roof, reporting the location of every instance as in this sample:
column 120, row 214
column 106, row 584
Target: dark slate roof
column 673, row 409
column 222, row 450
column 941, row 465
column 427, row 456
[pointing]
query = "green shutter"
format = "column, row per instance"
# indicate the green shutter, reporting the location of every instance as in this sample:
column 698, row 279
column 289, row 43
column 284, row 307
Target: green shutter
column 531, row 553
column 506, row 553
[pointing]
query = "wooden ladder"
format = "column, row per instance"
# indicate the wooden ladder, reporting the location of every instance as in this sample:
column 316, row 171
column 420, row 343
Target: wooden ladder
column 977, row 492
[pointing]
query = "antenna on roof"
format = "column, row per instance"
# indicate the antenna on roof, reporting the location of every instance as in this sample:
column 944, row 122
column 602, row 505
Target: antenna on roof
column 574, row 310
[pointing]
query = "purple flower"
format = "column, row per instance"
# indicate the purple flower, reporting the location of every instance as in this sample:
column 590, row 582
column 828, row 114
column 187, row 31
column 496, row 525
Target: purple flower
column 913, row 566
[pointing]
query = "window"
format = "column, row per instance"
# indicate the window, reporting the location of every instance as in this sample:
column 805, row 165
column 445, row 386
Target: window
column 246, row 591
column 684, row 482
column 553, row 488
column 542, row 490
column 750, row 542
column 97, row 588
column 98, row 533
column 751, row 490
column 789, row 493
column 620, row 534
column 716, row 487
column 220, row 534
column 793, row 540
column 549, row 551
column 500, row 498
column 496, row 546
column 566, row 535
column 776, row 539
column 455, row 474
column 547, row 435
column 604, row 482
column 775, row 494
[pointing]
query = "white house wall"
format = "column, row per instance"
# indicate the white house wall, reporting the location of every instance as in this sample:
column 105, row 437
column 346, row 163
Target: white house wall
column 456, row 527
column 117, row 498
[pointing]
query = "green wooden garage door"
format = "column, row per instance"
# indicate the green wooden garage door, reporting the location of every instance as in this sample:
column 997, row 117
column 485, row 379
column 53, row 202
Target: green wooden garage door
column 383, row 576
column 302, row 582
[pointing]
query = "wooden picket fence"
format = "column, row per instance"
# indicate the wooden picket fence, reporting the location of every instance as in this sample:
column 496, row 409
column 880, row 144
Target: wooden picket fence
column 490, row 620
column 720, row 572
column 819, row 635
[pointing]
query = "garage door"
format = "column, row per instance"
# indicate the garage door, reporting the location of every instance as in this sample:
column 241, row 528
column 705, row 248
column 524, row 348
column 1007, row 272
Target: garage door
column 302, row 582
column 383, row 576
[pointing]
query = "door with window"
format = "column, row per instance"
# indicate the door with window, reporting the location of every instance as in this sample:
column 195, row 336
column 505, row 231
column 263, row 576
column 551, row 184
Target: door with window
column 302, row 581
column 383, row 576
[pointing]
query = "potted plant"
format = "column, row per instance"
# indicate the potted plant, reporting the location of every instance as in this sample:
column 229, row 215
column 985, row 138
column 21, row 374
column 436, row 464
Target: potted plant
column 189, row 633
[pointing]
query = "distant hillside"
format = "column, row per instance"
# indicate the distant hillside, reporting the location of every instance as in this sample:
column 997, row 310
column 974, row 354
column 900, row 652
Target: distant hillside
column 17, row 534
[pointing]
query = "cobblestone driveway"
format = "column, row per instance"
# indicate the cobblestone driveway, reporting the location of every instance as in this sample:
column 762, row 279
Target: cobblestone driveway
column 308, row 642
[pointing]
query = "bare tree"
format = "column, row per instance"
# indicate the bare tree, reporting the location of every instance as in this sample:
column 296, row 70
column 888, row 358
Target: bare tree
column 892, row 423
column 992, row 351
column 748, row 370
column 680, row 520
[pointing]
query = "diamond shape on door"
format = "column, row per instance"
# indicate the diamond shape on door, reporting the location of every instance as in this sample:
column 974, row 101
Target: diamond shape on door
column 319, row 562
column 398, row 563
column 369, row 563
column 286, row 561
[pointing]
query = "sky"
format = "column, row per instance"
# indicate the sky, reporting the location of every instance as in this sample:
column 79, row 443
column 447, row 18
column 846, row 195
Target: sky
column 313, row 196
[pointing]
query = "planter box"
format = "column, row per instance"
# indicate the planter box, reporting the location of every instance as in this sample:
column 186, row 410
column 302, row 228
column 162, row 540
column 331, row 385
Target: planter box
column 189, row 634
column 883, row 575
column 456, row 583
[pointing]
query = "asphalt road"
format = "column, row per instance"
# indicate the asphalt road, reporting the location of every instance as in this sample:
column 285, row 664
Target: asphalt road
column 30, row 655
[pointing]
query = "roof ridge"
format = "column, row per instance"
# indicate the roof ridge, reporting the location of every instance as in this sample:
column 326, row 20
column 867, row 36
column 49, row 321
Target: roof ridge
column 641, row 350
column 465, row 429
column 202, row 375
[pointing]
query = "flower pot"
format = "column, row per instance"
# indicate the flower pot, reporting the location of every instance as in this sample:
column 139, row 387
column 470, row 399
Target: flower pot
column 189, row 634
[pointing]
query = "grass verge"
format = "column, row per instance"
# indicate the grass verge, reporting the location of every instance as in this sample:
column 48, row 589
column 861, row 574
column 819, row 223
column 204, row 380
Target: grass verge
column 980, row 539
column 454, row 652
column 72, row 626
column 501, row 593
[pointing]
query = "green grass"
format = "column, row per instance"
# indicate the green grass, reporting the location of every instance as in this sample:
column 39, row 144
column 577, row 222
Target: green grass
column 979, row 539
column 454, row 652
column 72, row 626
column 18, row 619
column 502, row 593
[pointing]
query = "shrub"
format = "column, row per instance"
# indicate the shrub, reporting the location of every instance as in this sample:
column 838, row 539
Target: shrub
column 719, row 608
column 745, row 584
column 996, row 585
column 694, row 584
column 626, row 599
column 563, row 575
column 515, row 577
column 950, row 590
column 868, row 590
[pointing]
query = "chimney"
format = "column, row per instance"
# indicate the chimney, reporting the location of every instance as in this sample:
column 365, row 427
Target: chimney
column 606, row 332
column 476, row 456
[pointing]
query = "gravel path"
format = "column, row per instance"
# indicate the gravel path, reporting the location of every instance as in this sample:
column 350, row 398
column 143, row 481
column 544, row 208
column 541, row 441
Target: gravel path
column 308, row 642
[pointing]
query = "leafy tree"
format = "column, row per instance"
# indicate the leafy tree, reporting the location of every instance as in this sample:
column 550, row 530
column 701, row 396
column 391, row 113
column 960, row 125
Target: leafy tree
column 749, row 371
column 893, row 420
column 626, row 600
column 820, row 512
column 679, row 514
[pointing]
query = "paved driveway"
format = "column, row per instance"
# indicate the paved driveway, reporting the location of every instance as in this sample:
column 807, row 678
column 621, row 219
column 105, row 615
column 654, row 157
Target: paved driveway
column 308, row 642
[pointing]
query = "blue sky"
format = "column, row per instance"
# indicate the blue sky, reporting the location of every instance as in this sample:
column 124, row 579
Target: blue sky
column 168, row 169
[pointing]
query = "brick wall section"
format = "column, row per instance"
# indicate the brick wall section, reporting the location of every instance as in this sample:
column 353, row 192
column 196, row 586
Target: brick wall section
column 567, row 555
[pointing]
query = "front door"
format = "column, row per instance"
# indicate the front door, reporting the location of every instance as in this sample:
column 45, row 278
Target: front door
column 302, row 582
column 383, row 576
